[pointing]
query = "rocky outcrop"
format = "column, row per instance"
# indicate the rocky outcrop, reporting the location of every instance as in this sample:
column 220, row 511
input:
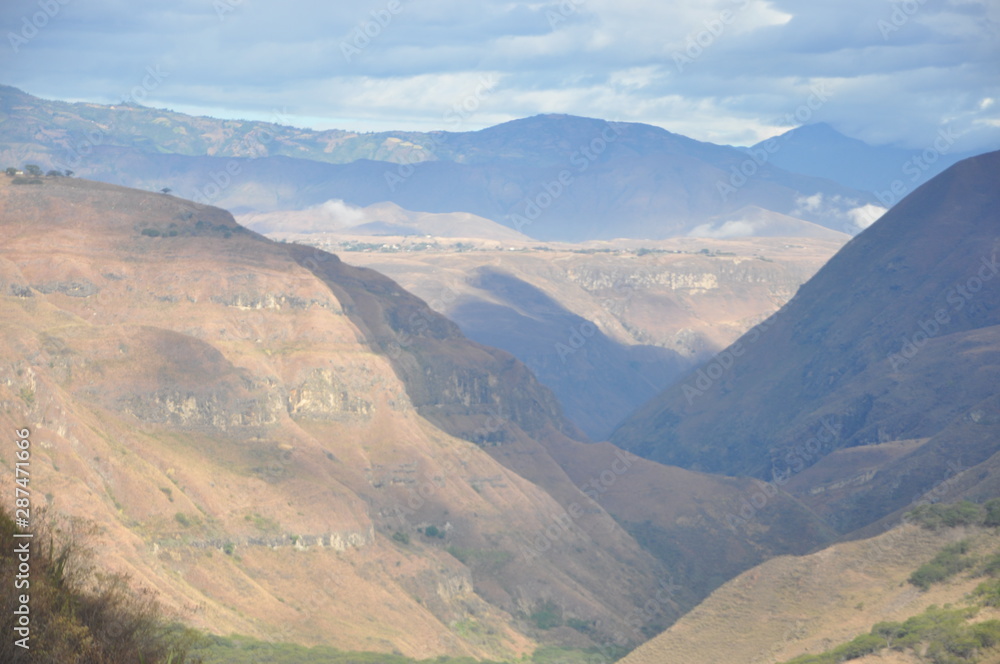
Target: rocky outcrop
column 326, row 395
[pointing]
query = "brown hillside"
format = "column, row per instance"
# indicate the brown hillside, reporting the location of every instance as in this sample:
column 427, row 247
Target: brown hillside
column 895, row 339
column 197, row 394
column 790, row 606
column 266, row 435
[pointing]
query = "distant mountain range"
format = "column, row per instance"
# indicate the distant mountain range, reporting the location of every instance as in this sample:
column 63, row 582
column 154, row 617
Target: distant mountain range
column 821, row 151
column 552, row 177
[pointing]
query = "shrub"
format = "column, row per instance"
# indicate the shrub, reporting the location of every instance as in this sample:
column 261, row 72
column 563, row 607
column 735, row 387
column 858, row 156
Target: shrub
column 859, row 647
column 938, row 515
column 988, row 593
column 547, row 616
column 992, row 508
column 948, row 562
column 80, row 616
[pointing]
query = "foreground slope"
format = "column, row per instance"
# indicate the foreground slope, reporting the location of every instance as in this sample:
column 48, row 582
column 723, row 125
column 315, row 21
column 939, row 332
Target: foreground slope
column 895, row 339
column 287, row 446
column 248, row 452
column 790, row 606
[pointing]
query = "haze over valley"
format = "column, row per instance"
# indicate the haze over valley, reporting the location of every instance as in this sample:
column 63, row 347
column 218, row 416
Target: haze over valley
column 497, row 333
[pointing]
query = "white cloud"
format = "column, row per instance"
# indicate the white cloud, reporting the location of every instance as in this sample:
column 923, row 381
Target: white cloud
column 608, row 58
column 864, row 216
column 850, row 215
column 808, row 204
column 729, row 229
column 341, row 214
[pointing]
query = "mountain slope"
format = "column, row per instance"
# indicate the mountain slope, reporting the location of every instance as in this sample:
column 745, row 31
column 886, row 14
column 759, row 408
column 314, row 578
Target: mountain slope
column 791, row 606
column 249, row 450
column 895, row 338
column 286, row 446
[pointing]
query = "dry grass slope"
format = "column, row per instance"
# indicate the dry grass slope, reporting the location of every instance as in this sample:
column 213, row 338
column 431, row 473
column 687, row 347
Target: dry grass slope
column 790, row 606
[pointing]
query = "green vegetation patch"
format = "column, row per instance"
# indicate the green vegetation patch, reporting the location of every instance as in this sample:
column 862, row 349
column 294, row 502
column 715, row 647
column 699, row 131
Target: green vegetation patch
column 943, row 636
column 951, row 560
column 480, row 557
column 964, row 513
column 547, row 616
column 239, row 649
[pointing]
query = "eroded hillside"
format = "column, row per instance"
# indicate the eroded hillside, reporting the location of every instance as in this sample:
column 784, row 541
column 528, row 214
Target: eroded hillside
column 286, row 446
column 210, row 403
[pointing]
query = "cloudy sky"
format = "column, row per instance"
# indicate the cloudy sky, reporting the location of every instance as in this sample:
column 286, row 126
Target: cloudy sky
column 727, row 71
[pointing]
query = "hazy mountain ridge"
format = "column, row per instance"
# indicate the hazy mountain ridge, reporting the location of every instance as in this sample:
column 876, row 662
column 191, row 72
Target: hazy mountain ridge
column 72, row 131
column 820, row 150
column 551, row 177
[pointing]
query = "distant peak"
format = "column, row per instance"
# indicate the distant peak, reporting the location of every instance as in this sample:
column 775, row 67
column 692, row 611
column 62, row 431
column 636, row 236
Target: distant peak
column 816, row 129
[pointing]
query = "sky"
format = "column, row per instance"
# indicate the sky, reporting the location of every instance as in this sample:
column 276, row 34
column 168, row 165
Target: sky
column 727, row 71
